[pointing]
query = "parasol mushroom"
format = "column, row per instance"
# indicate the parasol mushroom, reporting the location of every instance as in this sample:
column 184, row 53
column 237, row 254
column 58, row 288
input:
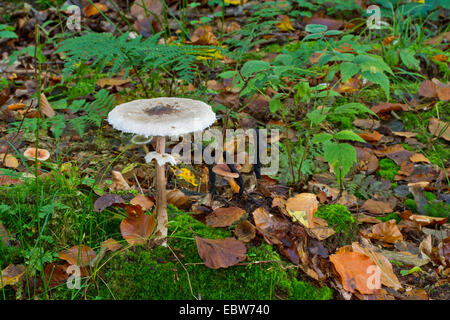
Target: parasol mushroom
column 160, row 118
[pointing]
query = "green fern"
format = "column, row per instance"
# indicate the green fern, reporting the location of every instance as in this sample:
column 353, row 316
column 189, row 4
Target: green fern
column 113, row 54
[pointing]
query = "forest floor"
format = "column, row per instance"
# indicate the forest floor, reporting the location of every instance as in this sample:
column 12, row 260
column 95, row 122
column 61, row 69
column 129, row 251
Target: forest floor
column 355, row 104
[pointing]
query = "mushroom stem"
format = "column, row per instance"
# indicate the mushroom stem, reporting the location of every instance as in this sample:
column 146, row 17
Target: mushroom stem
column 161, row 198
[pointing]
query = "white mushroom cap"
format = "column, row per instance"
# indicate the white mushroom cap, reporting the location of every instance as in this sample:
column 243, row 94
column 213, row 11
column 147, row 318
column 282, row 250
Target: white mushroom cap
column 162, row 116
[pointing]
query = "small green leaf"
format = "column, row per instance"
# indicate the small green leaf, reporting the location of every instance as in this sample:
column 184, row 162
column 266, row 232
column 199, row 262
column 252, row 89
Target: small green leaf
column 348, row 70
column 321, row 138
column 315, row 28
column 407, row 57
column 316, row 116
column 254, row 66
column 341, row 156
column 348, row 135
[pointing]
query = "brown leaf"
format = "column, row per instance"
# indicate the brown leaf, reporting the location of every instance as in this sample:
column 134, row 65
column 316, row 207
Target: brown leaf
column 386, row 231
column 46, row 108
column 15, row 106
column 144, row 201
column 94, row 9
column 422, row 220
column 419, row 157
column 442, row 90
column 138, row 9
column 224, row 217
column 373, row 136
column 204, row 36
column 306, row 202
column 79, row 255
column 367, row 161
column 388, row 277
column 245, row 231
column 10, row 160
column 178, row 199
column 6, row 180
column 396, row 153
column 427, row 89
column 111, row 245
column 55, row 274
column 387, row 107
column 273, row 228
column 106, row 201
column 439, row 128
column 11, row 275
column 332, row 24
column 119, row 182
column 220, row 253
column 103, row 82
column 377, row 207
column 138, row 227
column 356, row 271
column 367, row 123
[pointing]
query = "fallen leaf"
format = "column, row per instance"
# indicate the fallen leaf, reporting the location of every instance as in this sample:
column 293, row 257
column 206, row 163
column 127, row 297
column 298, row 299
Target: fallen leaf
column 388, row 107
column 385, row 231
column 178, row 199
column 79, row 255
column 418, row 157
column 373, row 136
column 94, row 9
column 377, row 207
column 144, row 201
column 439, row 128
column 224, row 217
column 11, row 275
column 6, row 180
column 440, row 57
column 55, row 274
column 272, row 228
column 46, row 108
column 10, row 160
column 137, row 227
column 15, row 106
column 285, row 24
column 103, row 82
column 357, row 272
column 111, row 245
column 427, row 89
column 119, row 182
column 220, row 253
column 303, row 203
column 245, row 231
column 332, row 24
column 388, row 277
column 106, row 201
column 367, row 123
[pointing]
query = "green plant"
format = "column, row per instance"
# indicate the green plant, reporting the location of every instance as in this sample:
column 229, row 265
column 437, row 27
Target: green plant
column 388, row 169
column 157, row 274
column 341, row 220
column 7, row 32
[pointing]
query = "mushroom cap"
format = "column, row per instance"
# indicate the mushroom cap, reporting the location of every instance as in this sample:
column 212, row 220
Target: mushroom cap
column 420, row 184
column 162, row 116
column 223, row 170
column 42, row 154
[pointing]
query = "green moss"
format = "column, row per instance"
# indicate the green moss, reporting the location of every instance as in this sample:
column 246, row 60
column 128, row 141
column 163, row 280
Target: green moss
column 342, row 221
column 411, row 204
column 390, row 216
column 142, row 273
column 430, row 196
column 438, row 209
column 388, row 169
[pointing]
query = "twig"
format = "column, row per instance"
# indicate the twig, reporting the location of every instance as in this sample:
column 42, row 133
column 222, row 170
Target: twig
column 187, row 273
column 17, row 133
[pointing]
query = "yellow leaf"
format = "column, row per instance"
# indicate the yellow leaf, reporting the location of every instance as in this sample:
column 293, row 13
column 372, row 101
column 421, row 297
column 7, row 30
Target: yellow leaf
column 301, row 217
column 285, row 24
column 186, row 175
column 235, row 2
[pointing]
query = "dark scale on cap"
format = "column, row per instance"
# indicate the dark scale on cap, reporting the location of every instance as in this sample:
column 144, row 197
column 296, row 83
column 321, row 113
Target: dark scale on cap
column 160, row 109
